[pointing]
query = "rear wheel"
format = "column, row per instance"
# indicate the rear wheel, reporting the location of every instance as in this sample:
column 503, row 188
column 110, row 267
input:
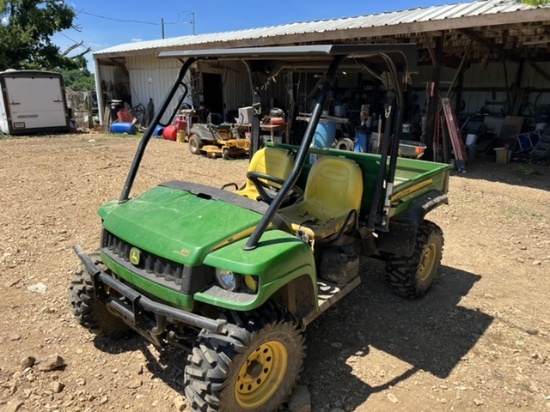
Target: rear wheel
column 250, row 369
column 412, row 276
column 195, row 144
column 90, row 312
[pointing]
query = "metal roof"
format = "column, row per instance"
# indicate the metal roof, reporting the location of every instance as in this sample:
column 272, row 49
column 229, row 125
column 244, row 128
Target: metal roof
column 434, row 13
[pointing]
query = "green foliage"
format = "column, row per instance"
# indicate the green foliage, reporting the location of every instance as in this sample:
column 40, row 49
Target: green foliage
column 78, row 79
column 536, row 2
column 25, row 34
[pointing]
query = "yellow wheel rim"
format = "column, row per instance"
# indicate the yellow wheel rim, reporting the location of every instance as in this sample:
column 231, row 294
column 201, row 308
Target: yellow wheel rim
column 427, row 263
column 261, row 375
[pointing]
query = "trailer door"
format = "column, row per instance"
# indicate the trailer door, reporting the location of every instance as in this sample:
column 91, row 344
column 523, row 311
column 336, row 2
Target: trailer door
column 36, row 102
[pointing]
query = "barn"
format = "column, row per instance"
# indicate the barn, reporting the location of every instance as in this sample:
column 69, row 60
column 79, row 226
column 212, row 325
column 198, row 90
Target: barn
column 490, row 57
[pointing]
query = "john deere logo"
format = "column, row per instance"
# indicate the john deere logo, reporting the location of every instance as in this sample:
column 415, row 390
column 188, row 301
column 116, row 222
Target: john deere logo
column 135, row 256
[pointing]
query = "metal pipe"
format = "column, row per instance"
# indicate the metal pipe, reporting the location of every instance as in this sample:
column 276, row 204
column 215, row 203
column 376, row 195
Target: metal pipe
column 149, row 132
column 252, row 242
column 375, row 212
column 180, row 101
column 395, row 144
column 378, row 213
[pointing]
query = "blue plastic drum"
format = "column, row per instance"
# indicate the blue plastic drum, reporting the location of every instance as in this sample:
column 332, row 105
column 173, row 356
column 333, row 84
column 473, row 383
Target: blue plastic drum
column 123, row 127
column 324, row 137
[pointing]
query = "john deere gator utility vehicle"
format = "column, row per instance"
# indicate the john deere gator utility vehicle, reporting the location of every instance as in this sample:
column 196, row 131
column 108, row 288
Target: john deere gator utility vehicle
column 234, row 277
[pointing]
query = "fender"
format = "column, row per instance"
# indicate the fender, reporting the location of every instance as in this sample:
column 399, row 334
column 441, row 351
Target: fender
column 400, row 238
column 203, row 132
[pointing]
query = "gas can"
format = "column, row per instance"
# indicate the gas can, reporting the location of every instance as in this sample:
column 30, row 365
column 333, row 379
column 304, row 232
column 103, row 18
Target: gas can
column 181, row 125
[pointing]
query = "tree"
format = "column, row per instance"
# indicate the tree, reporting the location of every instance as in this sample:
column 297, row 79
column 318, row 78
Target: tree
column 78, row 79
column 25, row 34
column 536, row 2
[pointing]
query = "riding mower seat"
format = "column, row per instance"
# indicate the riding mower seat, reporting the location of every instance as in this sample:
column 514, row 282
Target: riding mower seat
column 331, row 202
column 215, row 122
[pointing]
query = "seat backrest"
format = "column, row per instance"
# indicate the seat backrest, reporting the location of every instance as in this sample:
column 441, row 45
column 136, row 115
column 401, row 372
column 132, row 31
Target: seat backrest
column 214, row 119
column 334, row 186
column 272, row 161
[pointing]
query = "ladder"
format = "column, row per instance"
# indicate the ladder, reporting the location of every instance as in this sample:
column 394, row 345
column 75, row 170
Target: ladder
column 454, row 132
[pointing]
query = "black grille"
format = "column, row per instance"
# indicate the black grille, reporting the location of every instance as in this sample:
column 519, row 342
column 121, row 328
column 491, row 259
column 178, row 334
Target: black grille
column 151, row 266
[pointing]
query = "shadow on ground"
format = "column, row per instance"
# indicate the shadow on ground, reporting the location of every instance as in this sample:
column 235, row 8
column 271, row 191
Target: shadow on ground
column 533, row 175
column 431, row 334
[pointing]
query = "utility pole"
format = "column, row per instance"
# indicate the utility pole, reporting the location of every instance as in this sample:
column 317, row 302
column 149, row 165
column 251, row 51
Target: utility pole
column 193, row 21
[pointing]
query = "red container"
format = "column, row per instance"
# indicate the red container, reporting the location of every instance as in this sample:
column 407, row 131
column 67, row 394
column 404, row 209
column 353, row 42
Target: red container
column 170, row 133
column 181, row 123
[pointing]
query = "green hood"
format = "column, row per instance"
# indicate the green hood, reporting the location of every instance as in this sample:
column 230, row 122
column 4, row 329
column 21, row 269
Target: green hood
column 182, row 222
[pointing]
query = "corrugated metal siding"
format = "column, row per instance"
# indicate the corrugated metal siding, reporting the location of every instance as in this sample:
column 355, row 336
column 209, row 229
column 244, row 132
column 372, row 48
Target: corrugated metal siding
column 532, row 78
column 491, row 76
column 237, row 91
column 434, row 13
column 107, row 74
column 236, row 86
column 151, row 78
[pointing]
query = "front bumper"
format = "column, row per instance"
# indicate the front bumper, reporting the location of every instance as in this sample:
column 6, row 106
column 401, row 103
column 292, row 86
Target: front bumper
column 134, row 308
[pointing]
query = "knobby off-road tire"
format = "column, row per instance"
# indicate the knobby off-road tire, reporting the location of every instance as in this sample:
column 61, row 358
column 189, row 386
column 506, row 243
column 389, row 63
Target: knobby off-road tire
column 90, row 312
column 195, row 144
column 251, row 369
column 412, row 276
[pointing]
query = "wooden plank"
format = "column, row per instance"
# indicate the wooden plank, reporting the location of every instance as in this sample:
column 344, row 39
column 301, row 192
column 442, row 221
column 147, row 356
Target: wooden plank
column 454, row 132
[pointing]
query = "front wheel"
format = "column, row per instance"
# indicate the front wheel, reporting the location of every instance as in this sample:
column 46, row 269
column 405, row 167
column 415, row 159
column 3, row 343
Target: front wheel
column 90, row 312
column 412, row 276
column 195, row 144
column 226, row 154
column 251, row 371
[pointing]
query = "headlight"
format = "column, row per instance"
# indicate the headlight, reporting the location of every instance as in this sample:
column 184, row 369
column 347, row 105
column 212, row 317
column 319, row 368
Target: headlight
column 228, row 280
column 234, row 282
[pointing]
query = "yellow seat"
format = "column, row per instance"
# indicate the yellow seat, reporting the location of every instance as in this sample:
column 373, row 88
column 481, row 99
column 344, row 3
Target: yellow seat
column 332, row 199
column 271, row 161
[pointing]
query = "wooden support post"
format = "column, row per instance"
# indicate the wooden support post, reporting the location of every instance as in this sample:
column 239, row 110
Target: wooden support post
column 433, row 100
column 517, row 90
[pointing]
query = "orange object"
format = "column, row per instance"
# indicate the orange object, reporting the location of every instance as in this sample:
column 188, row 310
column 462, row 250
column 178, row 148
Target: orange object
column 277, row 121
column 170, row 133
column 124, row 116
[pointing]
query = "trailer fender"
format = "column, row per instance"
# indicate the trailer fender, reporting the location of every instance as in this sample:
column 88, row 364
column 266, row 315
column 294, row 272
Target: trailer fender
column 400, row 238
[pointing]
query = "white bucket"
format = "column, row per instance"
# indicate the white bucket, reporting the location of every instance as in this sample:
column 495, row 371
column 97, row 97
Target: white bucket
column 471, row 139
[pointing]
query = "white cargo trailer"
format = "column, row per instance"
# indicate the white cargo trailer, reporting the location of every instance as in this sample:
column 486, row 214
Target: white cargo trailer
column 32, row 102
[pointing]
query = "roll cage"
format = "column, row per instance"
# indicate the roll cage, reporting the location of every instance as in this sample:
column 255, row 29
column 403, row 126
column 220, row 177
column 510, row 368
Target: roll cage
column 396, row 61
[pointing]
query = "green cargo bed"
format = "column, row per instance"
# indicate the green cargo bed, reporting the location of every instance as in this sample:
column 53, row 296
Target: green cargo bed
column 413, row 178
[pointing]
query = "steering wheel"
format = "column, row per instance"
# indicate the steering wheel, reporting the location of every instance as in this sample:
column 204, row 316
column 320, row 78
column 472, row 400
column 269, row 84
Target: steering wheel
column 268, row 192
column 262, row 182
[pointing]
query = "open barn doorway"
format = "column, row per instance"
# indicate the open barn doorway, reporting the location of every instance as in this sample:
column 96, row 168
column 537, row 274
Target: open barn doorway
column 212, row 89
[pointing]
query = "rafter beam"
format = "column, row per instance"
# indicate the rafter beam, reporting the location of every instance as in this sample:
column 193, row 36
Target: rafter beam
column 489, row 44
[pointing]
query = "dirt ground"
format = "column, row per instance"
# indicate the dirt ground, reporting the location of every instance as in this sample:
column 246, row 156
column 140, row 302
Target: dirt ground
column 478, row 341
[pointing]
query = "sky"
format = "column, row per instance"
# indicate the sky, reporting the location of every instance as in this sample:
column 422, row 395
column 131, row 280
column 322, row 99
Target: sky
column 101, row 24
